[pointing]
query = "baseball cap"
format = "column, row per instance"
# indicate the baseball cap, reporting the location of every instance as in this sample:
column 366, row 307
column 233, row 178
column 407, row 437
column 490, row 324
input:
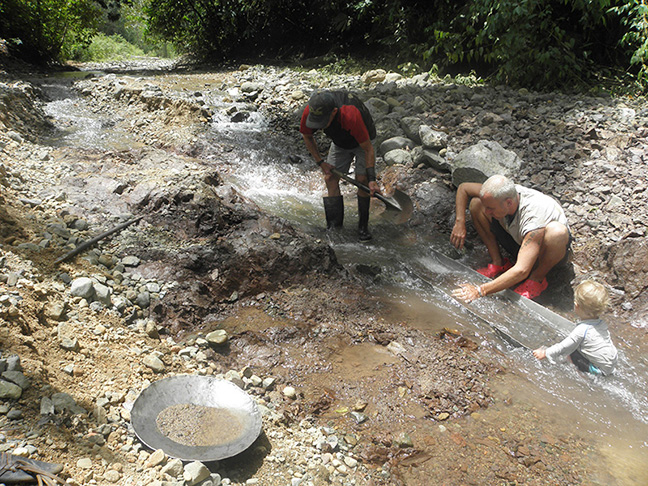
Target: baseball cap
column 320, row 106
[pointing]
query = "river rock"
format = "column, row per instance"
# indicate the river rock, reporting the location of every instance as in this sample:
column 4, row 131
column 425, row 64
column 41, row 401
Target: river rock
column 487, row 158
column 155, row 459
column 103, row 294
column 63, row 401
column 411, row 126
column 378, row 107
column 403, row 441
column 629, row 261
column 396, row 143
column 173, row 468
column 130, row 261
column 392, row 77
column 195, row 472
column 9, row 391
column 433, row 139
column 46, row 406
column 83, row 287
column 398, row 157
column 290, row 392
column 251, row 87
column 16, row 377
column 153, row 362
column 143, row 299
column 12, row 363
column 219, row 336
column 55, row 310
column 70, row 344
column 430, row 158
column 374, row 76
column 112, row 476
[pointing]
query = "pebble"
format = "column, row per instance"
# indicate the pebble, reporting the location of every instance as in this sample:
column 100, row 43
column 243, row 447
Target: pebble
column 290, row 392
column 112, row 476
column 154, row 363
column 158, row 457
column 217, row 337
column 195, row 472
column 20, row 452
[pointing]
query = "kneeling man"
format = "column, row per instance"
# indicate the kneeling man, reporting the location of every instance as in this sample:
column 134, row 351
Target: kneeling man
column 525, row 222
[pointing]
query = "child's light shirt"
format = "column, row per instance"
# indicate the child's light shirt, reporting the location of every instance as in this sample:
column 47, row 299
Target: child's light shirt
column 592, row 338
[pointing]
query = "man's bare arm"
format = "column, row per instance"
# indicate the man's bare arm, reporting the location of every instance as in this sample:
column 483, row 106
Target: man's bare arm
column 465, row 192
column 526, row 259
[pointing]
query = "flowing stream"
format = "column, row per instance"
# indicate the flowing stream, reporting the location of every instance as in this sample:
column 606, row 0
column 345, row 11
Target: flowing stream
column 613, row 412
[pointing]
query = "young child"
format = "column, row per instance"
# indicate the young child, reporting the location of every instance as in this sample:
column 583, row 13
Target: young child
column 589, row 345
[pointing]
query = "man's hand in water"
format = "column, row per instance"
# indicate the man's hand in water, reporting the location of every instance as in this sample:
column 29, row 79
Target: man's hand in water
column 467, row 292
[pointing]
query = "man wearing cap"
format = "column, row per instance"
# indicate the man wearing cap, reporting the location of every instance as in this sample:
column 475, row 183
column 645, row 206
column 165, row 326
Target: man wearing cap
column 347, row 121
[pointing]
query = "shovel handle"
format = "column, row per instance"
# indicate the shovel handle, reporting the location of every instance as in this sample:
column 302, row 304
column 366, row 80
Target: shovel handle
column 360, row 185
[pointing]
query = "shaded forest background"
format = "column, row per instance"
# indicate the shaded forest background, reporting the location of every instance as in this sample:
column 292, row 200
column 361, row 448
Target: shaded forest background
column 540, row 44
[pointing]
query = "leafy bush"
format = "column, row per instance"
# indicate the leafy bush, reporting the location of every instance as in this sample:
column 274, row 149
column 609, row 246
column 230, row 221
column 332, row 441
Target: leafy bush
column 533, row 43
column 106, row 48
column 45, row 29
column 634, row 15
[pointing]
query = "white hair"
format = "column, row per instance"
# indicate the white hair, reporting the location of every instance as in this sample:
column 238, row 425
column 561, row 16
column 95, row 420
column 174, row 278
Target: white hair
column 499, row 187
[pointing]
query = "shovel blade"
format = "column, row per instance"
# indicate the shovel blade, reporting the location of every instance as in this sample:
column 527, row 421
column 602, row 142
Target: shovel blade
column 398, row 207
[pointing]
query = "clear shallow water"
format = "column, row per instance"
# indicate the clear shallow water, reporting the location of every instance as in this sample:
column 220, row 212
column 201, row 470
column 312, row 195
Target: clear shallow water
column 613, row 411
column 76, row 123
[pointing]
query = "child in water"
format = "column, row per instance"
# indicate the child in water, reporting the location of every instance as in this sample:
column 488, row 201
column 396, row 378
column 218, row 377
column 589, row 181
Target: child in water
column 589, row 345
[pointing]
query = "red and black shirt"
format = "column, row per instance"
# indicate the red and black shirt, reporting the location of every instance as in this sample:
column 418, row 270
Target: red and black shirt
column 352, row 124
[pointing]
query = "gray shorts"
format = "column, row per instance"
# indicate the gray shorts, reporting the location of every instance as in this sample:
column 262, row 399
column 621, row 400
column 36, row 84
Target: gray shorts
column 341, row 159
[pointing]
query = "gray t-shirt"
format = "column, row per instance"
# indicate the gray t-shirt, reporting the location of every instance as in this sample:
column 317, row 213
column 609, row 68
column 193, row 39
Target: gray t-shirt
column 592, row 338
column 535, row 210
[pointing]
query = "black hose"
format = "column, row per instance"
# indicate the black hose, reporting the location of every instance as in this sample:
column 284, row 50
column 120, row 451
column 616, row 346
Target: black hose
column 87, row 244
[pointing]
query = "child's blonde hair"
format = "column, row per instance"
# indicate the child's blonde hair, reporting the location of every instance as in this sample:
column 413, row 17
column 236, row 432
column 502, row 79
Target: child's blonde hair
column 592, row 298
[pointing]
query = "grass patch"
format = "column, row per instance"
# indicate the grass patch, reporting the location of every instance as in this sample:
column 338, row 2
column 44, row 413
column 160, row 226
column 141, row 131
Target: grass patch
column 107, row 48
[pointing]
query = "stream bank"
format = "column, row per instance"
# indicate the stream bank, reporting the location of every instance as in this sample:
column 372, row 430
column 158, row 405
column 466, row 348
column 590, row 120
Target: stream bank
column 424, row 406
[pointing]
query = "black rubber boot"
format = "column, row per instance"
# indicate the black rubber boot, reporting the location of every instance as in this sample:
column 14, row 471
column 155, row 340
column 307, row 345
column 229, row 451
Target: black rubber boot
column 334, row 210
column 363, row 218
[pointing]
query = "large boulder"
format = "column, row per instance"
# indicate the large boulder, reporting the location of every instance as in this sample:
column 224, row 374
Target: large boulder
column 378, row 108
column 398, row 156
column 395, row 143
column 628, row 259
column 482, row 160
column 411, row 125
column 432, row 139
column 431, row 158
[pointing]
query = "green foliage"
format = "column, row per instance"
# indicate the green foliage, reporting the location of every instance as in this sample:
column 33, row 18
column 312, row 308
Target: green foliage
column 540, row 44
column 107, row 48
column 333, row 64
column 634, row 15
column 254, row 28
column 44, row 29
column 126, row 18
column 534, row 43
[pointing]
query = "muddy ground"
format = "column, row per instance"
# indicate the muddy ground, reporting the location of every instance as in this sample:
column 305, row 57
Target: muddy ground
column 404, row 406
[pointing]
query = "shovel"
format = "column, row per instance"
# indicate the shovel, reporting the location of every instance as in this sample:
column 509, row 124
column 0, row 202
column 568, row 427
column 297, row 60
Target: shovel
column 398, row 207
